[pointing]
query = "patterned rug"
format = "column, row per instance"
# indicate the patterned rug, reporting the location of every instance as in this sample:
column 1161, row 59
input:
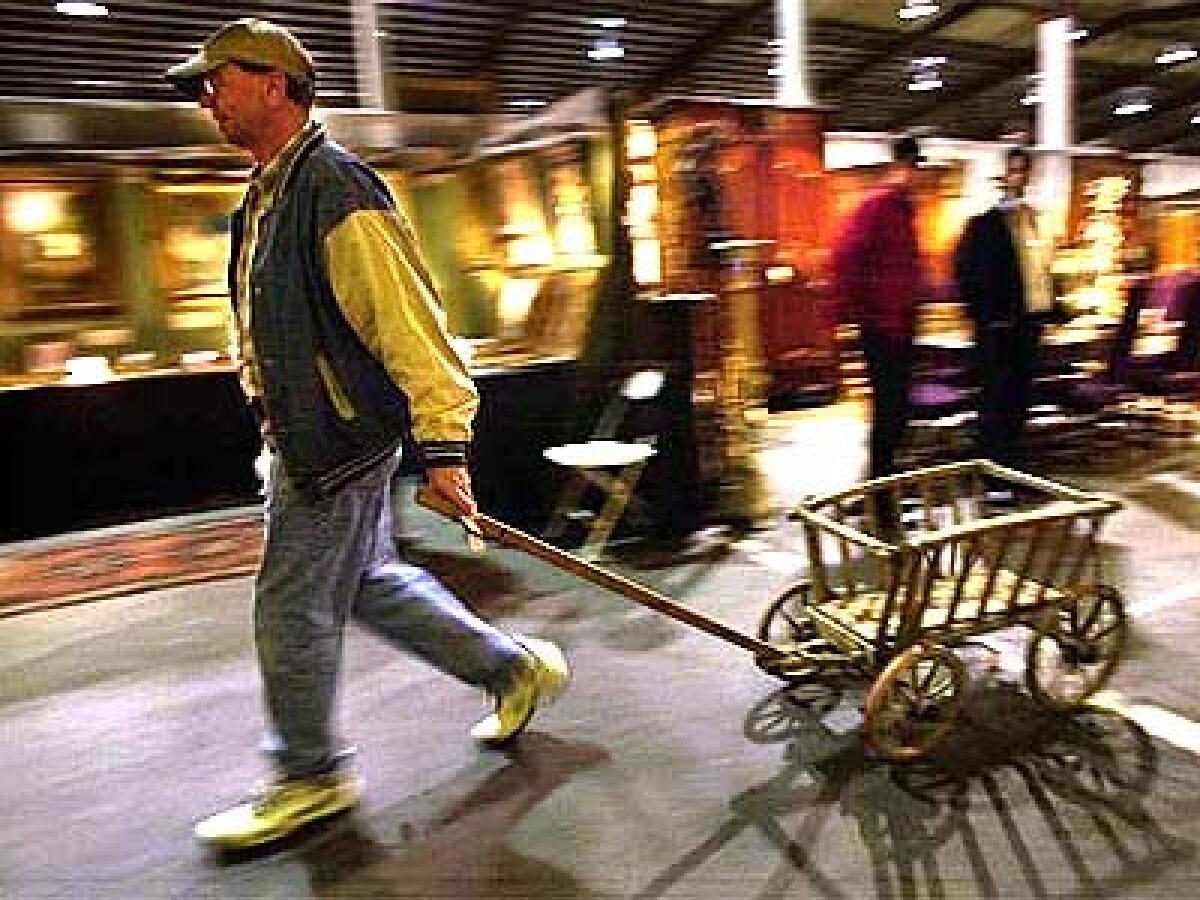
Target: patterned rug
column 94, row 569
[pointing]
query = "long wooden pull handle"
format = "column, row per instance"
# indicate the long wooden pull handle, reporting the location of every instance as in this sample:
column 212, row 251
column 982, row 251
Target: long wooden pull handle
column 508, row 536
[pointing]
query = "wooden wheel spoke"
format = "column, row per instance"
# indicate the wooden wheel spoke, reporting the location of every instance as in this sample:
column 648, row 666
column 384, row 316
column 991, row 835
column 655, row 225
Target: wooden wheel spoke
column 942, row 690
column 902, row 698
column 797, row 625
column 1092, row 616
column 1111, row 628
column 930, row 674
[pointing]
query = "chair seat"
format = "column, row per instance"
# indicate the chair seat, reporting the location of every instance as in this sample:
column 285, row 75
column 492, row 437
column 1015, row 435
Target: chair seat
column 599, row 454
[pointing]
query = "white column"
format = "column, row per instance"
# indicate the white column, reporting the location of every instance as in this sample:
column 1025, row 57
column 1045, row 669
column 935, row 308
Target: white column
column 367, row 58
column 1055, row 116
column 791, row 61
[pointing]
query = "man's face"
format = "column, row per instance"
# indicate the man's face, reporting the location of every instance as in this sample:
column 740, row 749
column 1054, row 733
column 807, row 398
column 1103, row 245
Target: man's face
column 912, row 176
column 239, row 101
column 1016, row 176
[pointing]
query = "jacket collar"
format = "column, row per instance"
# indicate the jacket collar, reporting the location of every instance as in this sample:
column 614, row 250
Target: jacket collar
column 276, row 176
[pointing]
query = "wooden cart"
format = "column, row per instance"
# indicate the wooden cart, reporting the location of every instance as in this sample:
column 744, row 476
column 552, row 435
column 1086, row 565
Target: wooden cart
column 903, row 570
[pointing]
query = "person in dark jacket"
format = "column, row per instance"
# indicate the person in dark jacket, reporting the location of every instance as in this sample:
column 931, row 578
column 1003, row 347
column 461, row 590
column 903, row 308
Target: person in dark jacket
column 1002, row 271
column 342, row 346
column 878, row 280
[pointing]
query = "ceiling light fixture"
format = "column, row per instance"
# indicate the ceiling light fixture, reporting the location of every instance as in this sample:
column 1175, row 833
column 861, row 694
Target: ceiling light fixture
column 605, row 51
column 1175, row 54
column 917, row 9
column 1133, row 101
column 1132, row 108
column 606, row 45
column 925, row 84
column 1033, row 91
column 1196, row 117
column 925, row 75
column 80, row 9
column 1076, row 30
column 525, row 104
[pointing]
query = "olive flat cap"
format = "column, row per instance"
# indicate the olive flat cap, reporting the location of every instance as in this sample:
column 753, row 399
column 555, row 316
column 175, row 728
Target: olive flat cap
column 250, row 41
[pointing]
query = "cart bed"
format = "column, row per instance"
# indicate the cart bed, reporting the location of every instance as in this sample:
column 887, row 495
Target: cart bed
column 949, row 562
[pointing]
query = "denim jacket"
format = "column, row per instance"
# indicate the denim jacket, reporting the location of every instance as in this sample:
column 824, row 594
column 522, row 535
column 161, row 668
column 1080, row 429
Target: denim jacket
column 333, row 407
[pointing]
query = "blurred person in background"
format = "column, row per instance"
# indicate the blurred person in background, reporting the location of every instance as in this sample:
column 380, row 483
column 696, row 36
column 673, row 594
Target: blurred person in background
column 1002, row 271
column 342, row 343
column 877, row 282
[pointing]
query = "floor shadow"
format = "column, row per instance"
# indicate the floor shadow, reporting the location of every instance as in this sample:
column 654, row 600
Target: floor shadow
column 1006, row 761
column 478, row 580
column 452, row 840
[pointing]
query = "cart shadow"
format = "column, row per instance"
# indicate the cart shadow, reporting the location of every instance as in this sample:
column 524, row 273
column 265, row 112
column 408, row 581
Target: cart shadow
column 928, row 829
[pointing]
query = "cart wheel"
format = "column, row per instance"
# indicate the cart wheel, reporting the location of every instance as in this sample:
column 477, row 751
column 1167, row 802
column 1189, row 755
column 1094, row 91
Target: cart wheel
column 1075, row 651
column 914, row 702
column 786, row 625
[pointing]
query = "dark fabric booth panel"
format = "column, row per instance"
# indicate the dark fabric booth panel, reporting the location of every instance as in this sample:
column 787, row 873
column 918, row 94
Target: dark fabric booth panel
column 78, row 456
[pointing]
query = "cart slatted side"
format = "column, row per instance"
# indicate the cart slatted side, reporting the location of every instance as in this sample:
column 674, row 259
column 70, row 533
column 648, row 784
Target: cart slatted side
column 952, row 565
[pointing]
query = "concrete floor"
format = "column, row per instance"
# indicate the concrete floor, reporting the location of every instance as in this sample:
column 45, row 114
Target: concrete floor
column 672, row 768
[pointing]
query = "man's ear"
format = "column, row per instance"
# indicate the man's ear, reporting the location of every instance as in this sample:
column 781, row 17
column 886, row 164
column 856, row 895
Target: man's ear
column 277, row 89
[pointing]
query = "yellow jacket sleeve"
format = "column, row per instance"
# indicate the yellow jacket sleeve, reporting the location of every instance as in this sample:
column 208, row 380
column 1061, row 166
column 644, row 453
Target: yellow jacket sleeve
column 387, row 295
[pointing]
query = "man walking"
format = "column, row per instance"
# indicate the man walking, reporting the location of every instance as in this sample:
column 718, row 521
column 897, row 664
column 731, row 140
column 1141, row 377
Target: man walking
column 1002, row 270
column 877, row 282
column 342, row 342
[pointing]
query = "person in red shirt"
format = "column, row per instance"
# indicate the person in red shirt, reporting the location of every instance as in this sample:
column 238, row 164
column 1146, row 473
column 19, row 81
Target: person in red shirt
column 877, row 282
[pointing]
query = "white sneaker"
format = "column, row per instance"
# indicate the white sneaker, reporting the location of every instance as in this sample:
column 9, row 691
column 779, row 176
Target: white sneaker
column 281, row 807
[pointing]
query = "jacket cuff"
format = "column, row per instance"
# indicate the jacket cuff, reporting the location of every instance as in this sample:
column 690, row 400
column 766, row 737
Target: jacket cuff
column 435, row 454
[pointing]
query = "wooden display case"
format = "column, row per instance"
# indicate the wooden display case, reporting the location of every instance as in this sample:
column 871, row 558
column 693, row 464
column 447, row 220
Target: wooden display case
column 769, row 165
column 190, row 255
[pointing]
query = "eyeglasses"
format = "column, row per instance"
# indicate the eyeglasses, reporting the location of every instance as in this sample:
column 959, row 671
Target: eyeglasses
column 210, row 84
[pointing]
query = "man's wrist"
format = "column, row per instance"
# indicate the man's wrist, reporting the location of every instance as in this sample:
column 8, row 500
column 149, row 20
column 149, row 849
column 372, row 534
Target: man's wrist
column 443, row 454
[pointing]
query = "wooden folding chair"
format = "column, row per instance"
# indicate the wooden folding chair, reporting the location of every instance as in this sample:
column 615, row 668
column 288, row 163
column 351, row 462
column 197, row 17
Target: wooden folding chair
column 606, row 463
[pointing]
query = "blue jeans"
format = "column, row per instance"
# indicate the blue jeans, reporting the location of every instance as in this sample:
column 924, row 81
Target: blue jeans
column 328, row 558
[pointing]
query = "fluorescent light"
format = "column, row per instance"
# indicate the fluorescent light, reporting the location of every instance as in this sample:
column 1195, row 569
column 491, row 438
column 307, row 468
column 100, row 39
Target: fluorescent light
column 1076, row 31
column 609, row 22
column 80, row 9
column 1196, row 119
column 926, row 62
column 916, row 9
column 1177, row 54
column 1134, row 100
column 606, row 51
column 1033, row 90
column 925, row 84
column 1133, row 108
column 525, row 104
